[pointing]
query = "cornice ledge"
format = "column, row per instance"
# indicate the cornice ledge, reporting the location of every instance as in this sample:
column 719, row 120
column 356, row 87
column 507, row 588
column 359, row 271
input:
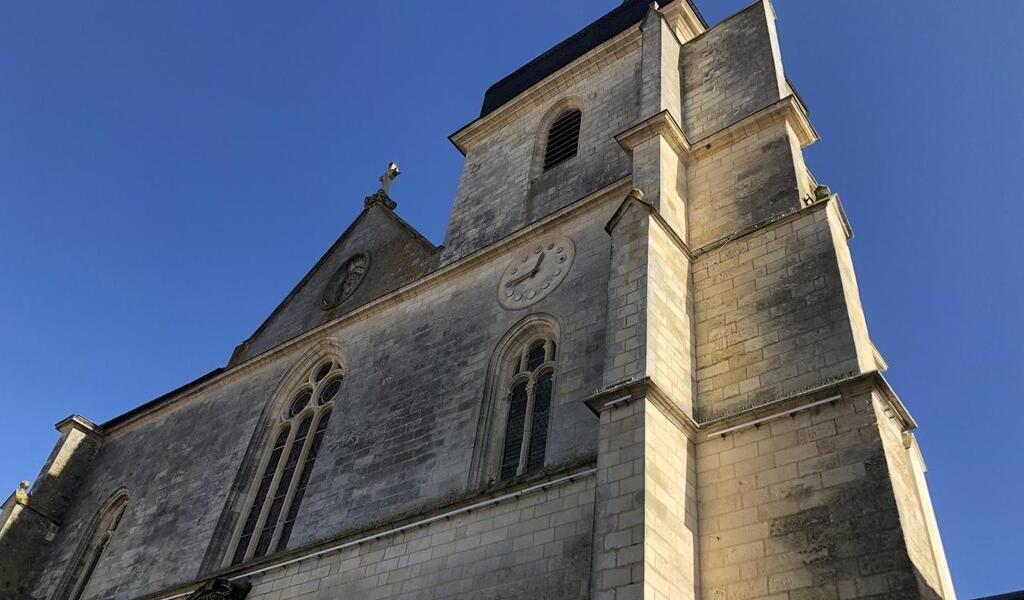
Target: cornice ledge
column 79, row 422
column 630, row 390
column 465, row 138
column 788, row 110
column 826, row 392
column 663, row 124
column 411, row 521
column 685, row 22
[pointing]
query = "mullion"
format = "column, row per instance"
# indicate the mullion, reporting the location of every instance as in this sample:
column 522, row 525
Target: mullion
column 304, row 475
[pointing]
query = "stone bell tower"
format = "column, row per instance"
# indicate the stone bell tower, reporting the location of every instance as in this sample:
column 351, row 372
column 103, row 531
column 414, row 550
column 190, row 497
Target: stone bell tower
column 749, row 445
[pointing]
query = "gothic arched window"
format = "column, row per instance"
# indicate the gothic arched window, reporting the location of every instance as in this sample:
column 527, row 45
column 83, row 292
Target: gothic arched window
column 563, row 139
column 529, row 404
column 514, row 420
column 276, row 494
column 97, row 538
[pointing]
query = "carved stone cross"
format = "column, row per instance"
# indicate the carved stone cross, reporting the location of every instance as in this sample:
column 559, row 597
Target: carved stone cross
column 389, row 177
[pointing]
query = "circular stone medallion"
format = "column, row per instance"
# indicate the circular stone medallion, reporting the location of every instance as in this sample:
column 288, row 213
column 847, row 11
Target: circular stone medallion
column 345, row 281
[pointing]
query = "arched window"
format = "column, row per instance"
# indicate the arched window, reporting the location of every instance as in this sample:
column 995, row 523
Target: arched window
column 76, row 579
column 276, row 494
column 563, row 139
column 514, row 421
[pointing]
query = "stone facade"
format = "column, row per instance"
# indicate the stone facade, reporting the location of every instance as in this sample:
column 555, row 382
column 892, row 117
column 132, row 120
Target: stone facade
column 719, row 427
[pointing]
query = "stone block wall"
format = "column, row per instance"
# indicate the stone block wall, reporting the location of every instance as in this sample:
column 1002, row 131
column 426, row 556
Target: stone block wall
column 771, row 315
column 645, row 518
column 738, row 186
column 728, row 72
column 916, row 522
column 805, row 506
column 537, row 546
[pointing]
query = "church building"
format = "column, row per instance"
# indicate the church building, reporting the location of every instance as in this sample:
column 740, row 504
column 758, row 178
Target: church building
column 637, row 369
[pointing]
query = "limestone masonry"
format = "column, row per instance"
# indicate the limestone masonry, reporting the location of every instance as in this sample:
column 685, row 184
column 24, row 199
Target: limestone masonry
column 638, row 368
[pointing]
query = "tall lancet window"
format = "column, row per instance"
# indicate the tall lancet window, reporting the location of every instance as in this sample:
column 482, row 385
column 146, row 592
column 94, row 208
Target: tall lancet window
column 513, row 430
column 276, row 494
column 97, row 538
column 563, row 139
column 529, row 404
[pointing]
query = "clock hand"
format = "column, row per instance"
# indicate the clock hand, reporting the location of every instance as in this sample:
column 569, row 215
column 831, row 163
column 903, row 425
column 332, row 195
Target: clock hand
column 528, row 274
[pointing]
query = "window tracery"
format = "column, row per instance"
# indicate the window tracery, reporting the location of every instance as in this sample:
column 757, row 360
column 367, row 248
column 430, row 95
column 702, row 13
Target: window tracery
column 284, row 475
column 512, row 433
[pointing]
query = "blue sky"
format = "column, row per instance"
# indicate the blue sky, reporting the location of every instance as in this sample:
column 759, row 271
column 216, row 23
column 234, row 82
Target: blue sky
column 169, row 170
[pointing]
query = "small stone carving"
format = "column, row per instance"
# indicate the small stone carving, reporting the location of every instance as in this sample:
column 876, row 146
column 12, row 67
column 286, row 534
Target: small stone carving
column 381, row 196
column 21, row 495
column 221, row 589
column 345, row 281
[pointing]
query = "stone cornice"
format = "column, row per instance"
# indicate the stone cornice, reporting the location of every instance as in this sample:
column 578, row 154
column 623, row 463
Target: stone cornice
column 663, row 124
column 78, row 422
column 402, row 294
column 632, row 390
column 626, row 42
column 827, row 391
column 685, row 21
column 788, row 110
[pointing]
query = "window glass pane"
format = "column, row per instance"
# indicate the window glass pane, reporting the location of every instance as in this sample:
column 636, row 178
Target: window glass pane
column 300, row 489
column 324, row 370
column 514, row 431
column 539, row 428
column 299, row 403
column 261, row 497
column 267, row 534
column 536, row 356
column 330, row 390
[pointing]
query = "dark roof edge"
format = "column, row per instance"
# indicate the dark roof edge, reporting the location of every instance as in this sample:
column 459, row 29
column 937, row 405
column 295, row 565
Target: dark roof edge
column 603, row 29
column 416, row 235
column 159, row 399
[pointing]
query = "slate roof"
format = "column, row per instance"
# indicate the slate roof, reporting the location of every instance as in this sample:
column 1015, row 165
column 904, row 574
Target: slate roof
column 600, row 31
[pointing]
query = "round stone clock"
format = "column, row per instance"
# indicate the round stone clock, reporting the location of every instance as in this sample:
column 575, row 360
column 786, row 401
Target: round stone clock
column 345, row 281
column 535, row 271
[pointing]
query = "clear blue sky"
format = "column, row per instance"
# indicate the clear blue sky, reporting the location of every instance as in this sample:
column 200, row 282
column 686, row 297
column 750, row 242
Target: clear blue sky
column 169, row 170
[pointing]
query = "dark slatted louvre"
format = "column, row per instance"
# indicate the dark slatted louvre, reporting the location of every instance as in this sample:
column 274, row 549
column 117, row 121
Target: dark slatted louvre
column 563, row 139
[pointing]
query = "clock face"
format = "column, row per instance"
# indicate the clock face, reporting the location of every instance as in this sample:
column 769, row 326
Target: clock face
column 345, row 281
column 535, row 271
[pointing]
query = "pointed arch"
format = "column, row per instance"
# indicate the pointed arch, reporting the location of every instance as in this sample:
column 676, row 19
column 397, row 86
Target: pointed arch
column 92, row 547
column 272, row 482
column 513, row 423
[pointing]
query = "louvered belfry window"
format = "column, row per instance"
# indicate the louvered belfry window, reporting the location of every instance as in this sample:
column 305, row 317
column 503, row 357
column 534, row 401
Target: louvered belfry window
column 277, row 494
column 563, row 139
column 528, row 406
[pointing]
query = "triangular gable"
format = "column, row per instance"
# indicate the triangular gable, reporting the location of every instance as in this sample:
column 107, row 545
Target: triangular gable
column 377, row 254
